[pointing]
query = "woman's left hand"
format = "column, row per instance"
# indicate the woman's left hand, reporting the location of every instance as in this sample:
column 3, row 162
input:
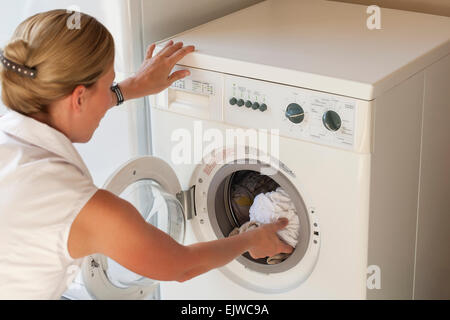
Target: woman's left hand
column 155, row 75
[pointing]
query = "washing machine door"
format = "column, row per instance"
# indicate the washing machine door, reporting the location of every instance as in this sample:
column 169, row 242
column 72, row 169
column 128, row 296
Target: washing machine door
column 151, row 185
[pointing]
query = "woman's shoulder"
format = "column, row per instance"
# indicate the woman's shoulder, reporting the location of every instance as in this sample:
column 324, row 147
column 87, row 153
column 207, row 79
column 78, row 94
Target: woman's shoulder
column 29, row 174
column 46, row 194
column 23, row 159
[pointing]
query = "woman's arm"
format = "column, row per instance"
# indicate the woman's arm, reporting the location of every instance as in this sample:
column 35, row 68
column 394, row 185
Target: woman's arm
column 113, row 227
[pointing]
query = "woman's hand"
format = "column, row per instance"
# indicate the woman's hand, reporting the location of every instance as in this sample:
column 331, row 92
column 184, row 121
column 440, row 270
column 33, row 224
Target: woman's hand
column 266, row 241
column 155, row 75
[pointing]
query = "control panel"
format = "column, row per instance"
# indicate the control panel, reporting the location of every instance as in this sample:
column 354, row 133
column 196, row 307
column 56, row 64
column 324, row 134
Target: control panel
column 295, row 112
column 249, row 103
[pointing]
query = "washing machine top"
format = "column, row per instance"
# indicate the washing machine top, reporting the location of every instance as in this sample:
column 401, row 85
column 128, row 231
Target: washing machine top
column 320, row 45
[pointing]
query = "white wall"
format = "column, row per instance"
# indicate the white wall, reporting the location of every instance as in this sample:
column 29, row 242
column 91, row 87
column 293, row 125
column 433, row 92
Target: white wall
column 8, row 22
column 166, row 18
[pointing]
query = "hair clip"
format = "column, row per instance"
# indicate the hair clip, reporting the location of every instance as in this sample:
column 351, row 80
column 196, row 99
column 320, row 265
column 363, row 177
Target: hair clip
column 17, row 68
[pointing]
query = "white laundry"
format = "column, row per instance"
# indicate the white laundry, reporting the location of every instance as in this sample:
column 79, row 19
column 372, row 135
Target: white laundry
column 271, row 206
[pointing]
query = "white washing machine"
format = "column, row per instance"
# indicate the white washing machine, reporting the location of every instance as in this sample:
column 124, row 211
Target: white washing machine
column 362, row 151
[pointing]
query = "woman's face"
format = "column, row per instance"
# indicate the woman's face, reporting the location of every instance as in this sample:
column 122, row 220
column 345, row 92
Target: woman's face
column 97, row 101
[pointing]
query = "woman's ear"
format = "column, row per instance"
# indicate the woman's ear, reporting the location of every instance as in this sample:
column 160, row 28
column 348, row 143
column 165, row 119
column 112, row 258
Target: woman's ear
column 79, row 98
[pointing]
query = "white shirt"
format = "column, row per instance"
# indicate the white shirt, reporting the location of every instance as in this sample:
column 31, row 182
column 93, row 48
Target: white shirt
column 44, row 184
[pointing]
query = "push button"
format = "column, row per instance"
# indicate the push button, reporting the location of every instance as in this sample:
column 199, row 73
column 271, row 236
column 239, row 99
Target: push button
column 249, row 104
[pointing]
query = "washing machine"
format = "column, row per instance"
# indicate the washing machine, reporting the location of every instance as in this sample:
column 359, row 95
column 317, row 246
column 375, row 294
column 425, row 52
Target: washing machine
column 350, row 121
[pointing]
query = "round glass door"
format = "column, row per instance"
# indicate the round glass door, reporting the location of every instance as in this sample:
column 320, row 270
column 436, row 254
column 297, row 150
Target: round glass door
column 151, row 186
column 158, row 208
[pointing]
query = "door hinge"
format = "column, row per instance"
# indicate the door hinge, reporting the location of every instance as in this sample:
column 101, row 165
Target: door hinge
column 187, row 200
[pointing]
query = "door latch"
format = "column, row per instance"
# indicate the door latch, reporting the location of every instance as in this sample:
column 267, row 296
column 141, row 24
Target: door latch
column 187, row 200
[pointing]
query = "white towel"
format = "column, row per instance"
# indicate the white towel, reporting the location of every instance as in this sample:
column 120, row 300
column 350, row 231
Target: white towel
column 269, row 207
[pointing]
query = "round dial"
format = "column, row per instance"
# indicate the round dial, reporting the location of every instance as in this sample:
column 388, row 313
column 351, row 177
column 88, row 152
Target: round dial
column 295, row 113
column 332, row 121
column 240, row 102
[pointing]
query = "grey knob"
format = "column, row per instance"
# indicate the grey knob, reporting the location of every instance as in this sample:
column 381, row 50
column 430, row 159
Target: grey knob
column 248, row 104
column 332, row 121
column 233, row 101
column 295, row 113
column 240, row 102
column 255, row 106
column 263, row 107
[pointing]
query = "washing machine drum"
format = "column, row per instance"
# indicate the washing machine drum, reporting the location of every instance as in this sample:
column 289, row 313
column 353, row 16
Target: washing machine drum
column 241, row 189
column 224, row 195
column 231, row 195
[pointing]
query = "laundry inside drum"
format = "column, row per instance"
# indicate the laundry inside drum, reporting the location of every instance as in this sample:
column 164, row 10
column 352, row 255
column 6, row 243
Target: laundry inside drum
column 240, row 190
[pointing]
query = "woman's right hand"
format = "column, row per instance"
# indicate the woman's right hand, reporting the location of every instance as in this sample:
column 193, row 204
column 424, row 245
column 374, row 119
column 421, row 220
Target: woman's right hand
column 155, row 74
column 266, row 241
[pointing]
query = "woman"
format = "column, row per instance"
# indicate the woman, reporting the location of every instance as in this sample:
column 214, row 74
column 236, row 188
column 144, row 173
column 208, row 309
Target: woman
column 56, row 82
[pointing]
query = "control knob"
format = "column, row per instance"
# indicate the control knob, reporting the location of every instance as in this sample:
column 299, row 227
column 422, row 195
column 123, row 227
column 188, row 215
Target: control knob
column 295, row 113
column 331, row 120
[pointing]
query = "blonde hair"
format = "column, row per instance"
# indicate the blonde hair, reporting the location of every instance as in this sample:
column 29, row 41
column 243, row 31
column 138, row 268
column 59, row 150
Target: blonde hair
column 63, row 58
